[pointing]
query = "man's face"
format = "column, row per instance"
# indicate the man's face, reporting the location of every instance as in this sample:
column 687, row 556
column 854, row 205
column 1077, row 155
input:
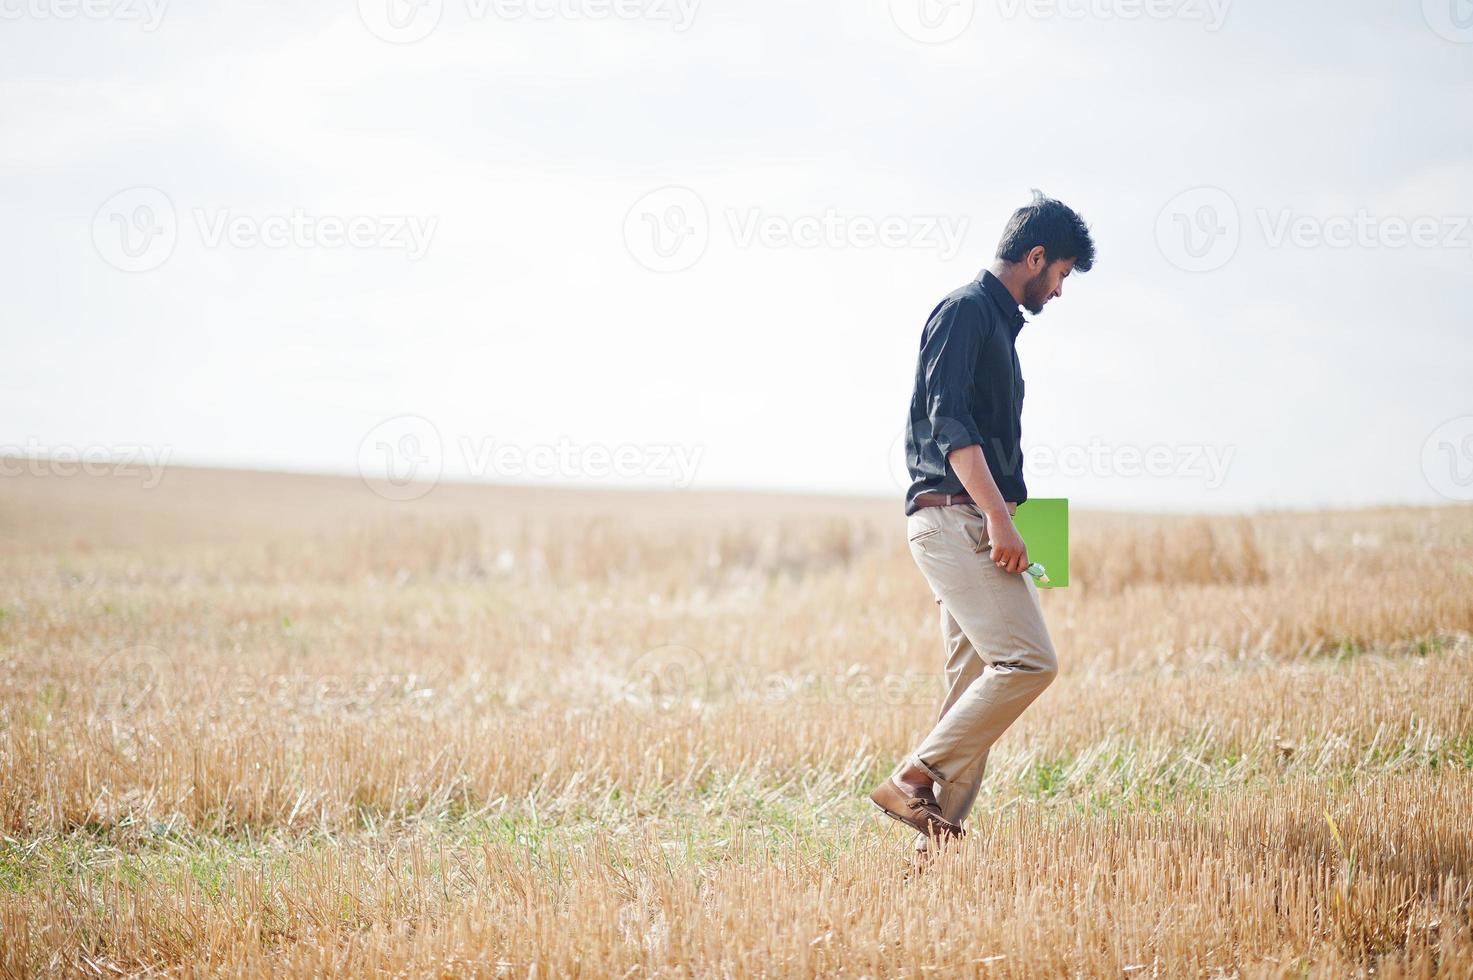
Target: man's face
column 1046, row 284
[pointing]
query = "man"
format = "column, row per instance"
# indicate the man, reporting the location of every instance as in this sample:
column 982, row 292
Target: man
column 966, row 466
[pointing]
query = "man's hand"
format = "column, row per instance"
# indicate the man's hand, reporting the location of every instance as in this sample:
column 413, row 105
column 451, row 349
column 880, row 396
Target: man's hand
column 1008, row 550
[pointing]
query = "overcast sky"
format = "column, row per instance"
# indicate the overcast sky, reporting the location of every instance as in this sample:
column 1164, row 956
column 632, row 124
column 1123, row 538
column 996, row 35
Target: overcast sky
column 686, row 243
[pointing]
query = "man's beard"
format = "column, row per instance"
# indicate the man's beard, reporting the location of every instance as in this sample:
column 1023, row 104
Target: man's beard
column 1035, row 292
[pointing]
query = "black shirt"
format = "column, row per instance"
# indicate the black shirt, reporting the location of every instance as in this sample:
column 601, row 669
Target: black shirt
column 968, row 391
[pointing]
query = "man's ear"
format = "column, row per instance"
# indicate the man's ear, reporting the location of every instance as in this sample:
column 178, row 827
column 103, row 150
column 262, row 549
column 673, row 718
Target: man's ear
column 1037, row 258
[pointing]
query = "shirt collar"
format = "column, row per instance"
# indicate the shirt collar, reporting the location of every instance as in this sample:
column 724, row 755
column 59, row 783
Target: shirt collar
column 993, row 287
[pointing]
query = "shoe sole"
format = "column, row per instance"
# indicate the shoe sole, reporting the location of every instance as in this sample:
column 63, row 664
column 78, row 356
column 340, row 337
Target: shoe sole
column 899, row 819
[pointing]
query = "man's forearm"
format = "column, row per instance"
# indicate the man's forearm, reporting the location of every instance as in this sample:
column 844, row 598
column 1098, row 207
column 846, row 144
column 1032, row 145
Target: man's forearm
column 1009, row 552
column 971, row 468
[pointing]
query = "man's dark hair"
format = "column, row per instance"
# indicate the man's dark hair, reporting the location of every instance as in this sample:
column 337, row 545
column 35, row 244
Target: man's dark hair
column 1052, row 224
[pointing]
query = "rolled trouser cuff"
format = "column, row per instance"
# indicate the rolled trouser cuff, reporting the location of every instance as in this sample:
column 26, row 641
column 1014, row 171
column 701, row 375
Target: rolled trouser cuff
column 929, row 769
column 955, row 797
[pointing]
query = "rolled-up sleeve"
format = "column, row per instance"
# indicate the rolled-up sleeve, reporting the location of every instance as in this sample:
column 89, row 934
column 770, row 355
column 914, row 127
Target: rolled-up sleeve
column 949, row 351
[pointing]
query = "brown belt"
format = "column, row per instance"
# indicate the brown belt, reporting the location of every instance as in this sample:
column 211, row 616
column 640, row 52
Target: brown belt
column 934, row 498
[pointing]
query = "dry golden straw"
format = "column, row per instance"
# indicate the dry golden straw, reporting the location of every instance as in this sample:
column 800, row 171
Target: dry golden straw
column 256, row 724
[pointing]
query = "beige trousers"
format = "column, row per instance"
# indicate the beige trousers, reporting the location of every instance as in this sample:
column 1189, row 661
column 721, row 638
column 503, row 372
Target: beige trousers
column 998, row 653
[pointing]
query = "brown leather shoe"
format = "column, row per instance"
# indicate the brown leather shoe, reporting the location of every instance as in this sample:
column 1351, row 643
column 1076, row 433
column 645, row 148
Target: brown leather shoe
column 917, row 810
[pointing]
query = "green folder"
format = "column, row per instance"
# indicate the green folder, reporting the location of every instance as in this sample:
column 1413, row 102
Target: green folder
column 1044, row 524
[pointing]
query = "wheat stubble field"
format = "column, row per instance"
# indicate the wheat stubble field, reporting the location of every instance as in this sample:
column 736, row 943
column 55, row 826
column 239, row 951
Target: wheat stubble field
column 266, row 724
